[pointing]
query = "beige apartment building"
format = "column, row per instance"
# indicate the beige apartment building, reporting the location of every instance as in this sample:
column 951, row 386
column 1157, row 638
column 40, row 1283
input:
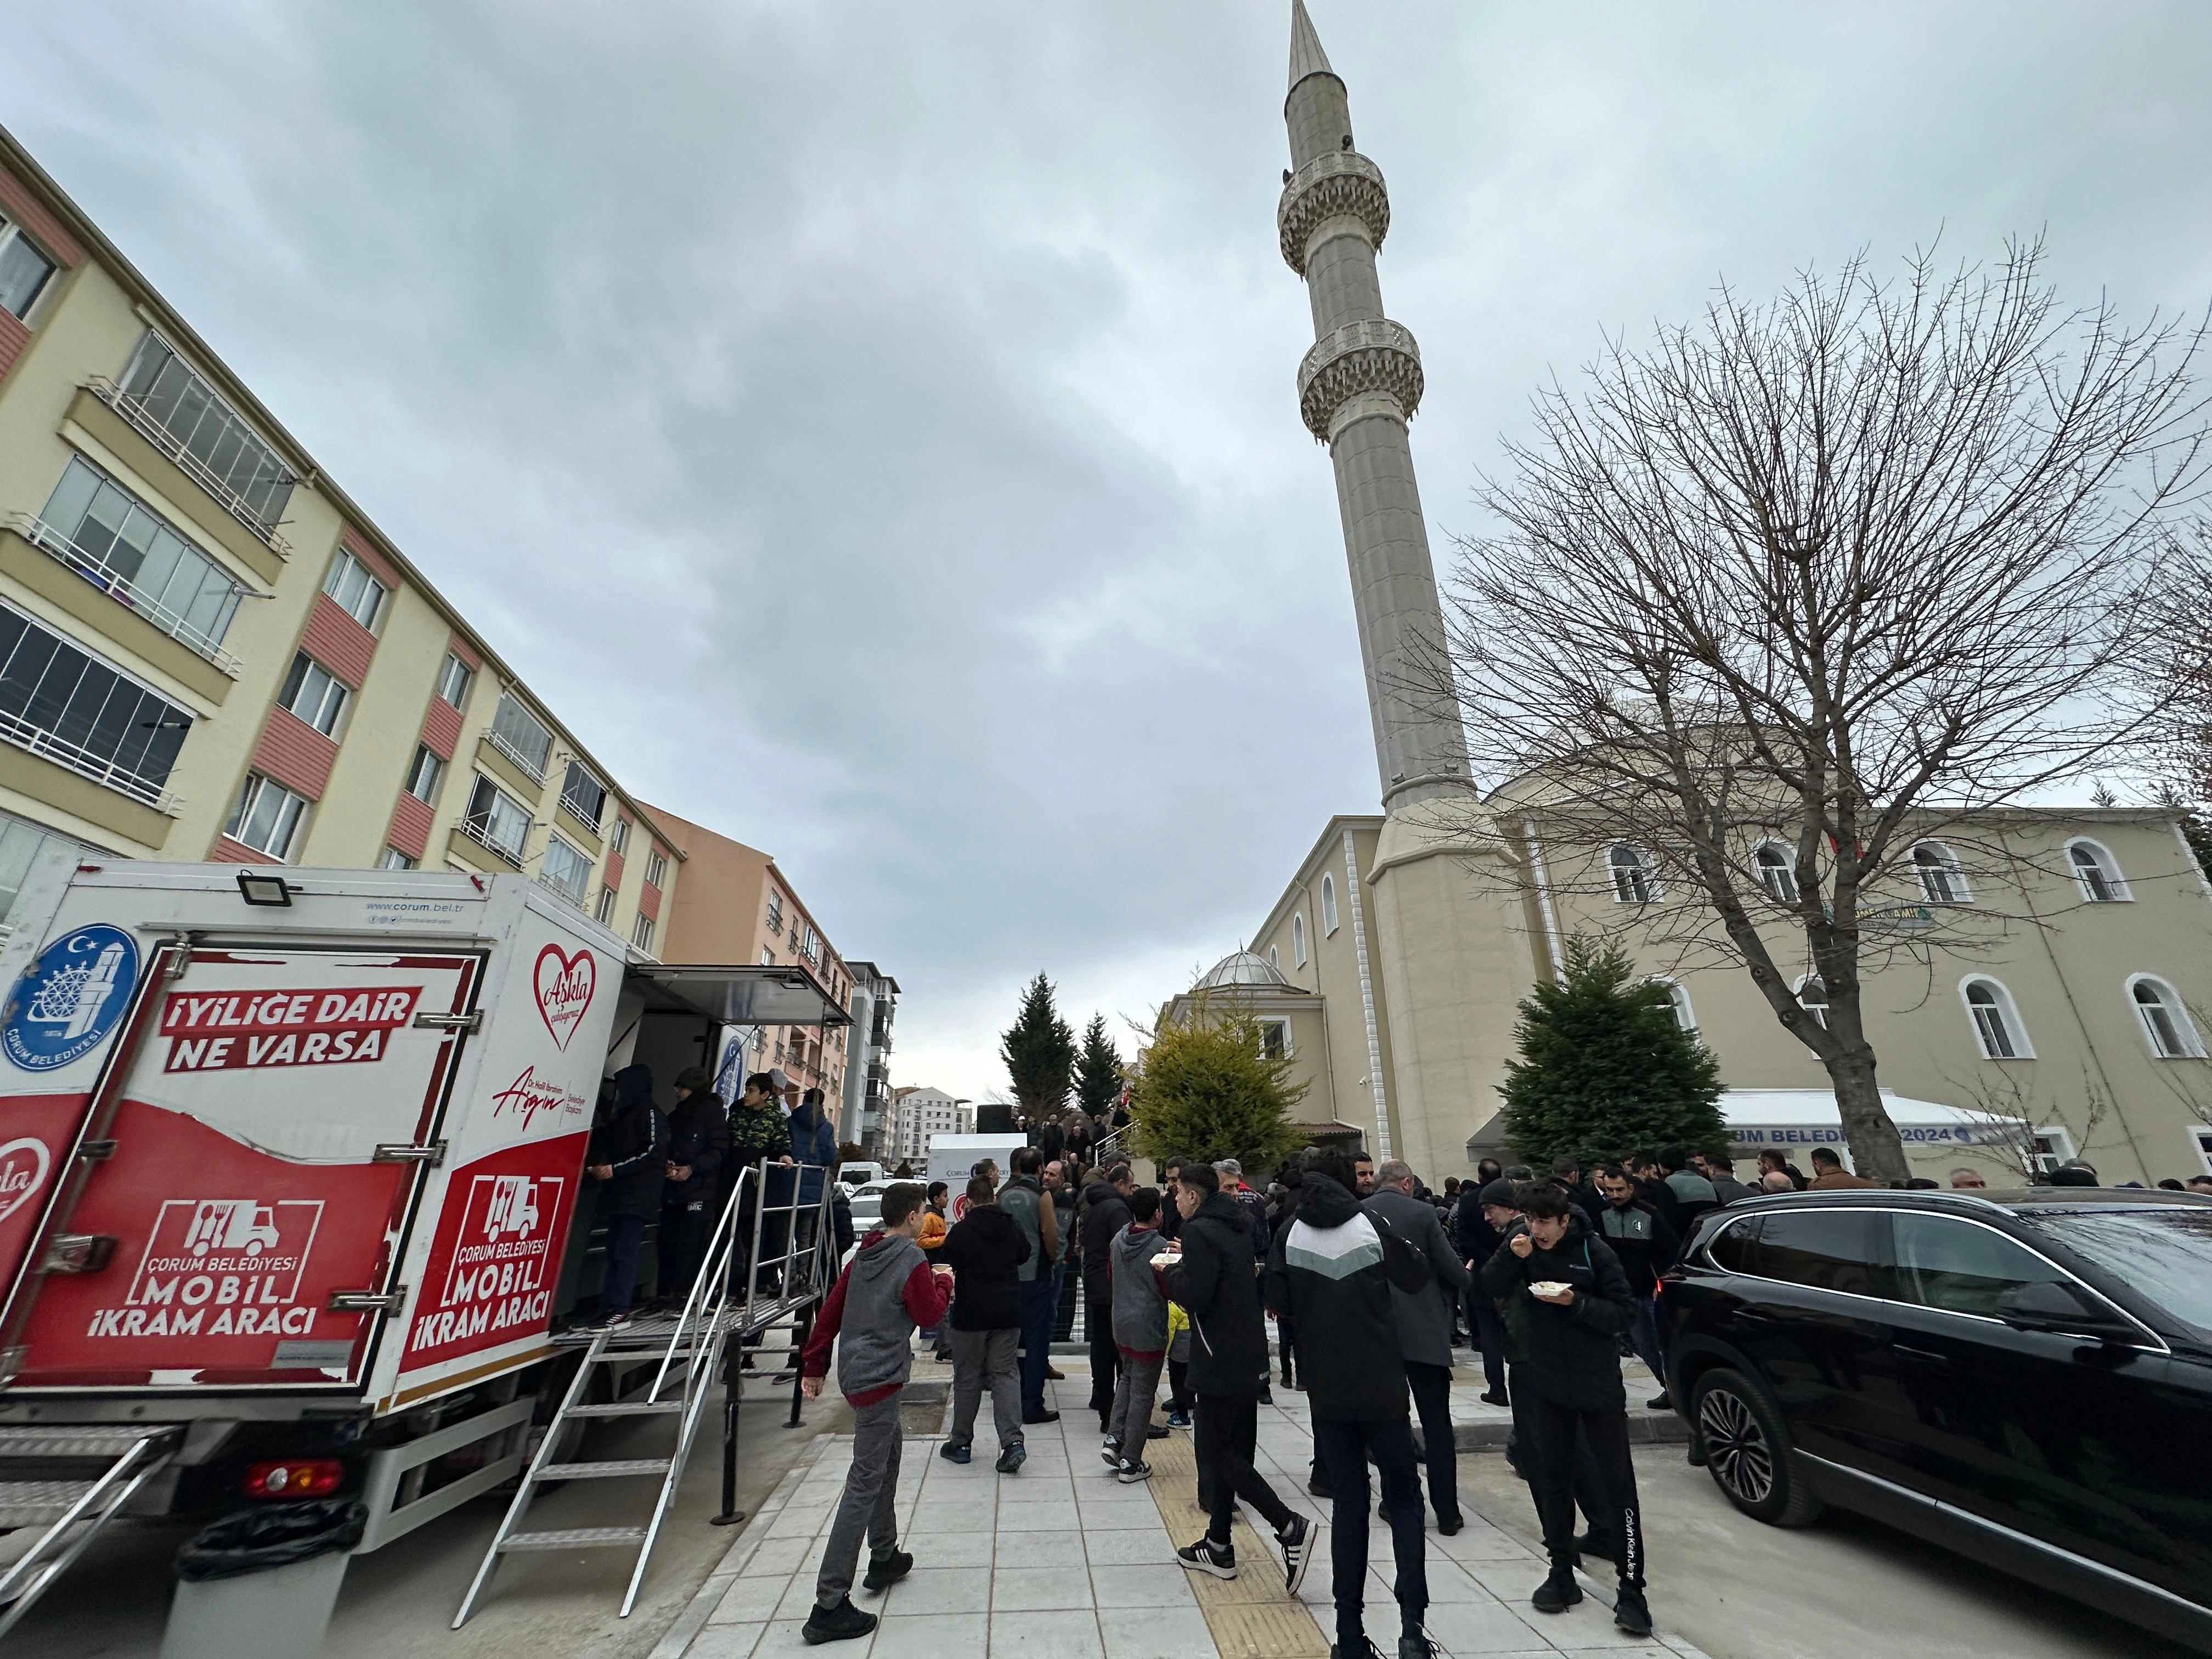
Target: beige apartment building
column 2042, row 995
column 209, row 651
column 739, row 907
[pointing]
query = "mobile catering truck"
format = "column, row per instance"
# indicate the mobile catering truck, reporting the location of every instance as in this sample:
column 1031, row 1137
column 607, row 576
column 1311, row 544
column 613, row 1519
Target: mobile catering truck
column 288, row 1160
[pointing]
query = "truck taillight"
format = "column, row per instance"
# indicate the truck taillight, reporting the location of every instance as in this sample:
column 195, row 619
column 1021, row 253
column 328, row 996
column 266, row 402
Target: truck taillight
column 294, row 1477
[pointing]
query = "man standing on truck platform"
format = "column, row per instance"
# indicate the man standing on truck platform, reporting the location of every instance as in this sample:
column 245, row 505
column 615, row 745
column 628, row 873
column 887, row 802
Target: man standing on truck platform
column 698, row 1142
column 628, row 1152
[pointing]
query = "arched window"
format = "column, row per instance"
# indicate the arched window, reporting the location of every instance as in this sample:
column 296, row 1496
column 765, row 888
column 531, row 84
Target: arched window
column 2172, row 1034
column 1677, row 998
column 1813, row 998
column 1298, row 938
column 1274, row 960
column 1328, row 905
column 1777, row 872
column 1997, row 1026
column 1941, row 881
column 2097, row 871
column 1632, row 880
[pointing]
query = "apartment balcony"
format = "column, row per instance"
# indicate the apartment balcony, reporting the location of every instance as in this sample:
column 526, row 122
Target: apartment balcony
column 176, row 411
column 118, row 586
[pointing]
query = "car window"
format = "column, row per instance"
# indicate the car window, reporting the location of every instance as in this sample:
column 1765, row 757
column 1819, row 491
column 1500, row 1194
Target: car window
column 1828, row 1250
column 1732, row 1247
column 1961, row 1266
column 2165, row 1255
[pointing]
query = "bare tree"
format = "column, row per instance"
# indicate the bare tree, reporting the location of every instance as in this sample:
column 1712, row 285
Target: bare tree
column 1783, row 601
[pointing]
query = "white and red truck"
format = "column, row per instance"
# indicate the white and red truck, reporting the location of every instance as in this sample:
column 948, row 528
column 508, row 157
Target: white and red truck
column 288, row 1160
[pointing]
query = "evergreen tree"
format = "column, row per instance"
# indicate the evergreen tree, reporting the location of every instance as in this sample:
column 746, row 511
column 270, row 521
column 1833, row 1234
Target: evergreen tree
column 1605, row 1069
column 1039, row 1052
column 1207, row 1091
column 1097, row 1069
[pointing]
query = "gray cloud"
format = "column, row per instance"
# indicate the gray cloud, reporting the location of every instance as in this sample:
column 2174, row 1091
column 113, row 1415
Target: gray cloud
column 873, row 426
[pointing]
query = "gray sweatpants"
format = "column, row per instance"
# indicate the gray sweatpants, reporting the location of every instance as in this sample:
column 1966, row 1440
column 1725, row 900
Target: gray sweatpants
column 869, row 1503
column 981, row 1358
column 1132, row 1404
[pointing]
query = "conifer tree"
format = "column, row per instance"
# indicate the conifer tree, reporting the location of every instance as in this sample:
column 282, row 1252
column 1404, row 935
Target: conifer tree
column 1097, row 1069
column 1207, row 1090
column 1039, row 1052
column 1605, row 1069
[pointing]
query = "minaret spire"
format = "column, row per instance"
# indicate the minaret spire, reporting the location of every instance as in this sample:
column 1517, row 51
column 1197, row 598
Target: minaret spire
column 1306, row 56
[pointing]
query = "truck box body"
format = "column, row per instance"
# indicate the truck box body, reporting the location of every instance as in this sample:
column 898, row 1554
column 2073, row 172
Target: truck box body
column 330, row 1147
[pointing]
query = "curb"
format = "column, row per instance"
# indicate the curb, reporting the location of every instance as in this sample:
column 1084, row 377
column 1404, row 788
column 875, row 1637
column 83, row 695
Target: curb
column 1644, row 1428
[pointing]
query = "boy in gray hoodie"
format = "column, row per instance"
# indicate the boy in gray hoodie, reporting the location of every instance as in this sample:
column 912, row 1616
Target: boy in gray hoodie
column 1140, row 1335
column 886, row 1292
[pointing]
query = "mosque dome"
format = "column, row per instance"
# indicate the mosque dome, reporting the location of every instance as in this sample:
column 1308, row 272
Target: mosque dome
column 1241, row 968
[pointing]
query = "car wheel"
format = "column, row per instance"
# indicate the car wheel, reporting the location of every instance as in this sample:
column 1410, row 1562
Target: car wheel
column 1747, row 1450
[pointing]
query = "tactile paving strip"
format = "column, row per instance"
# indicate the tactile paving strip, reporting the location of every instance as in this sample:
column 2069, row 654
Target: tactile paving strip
column 1247, row 1616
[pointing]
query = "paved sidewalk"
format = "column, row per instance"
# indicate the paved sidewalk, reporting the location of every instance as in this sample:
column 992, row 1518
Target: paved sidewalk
column 1062, row 1562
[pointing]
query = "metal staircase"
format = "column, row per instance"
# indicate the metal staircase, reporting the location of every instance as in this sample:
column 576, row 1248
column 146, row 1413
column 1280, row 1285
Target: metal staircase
column 692, row 1348
column 72, row 1510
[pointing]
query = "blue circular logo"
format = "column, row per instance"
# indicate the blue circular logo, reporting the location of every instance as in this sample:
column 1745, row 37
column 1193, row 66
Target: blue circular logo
column 70, row 998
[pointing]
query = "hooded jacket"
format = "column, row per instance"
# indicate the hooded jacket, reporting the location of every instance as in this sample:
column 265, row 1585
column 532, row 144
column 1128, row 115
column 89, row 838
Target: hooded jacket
column 1023, row 1201
column 813, row 1148
column 1140, row 1306
column 1105, row 1212
column 886, row 1290
column 633, row 1137
column 985, row 1251
column 1334, row 1272
column 698, row 1136
column 1216, row 1286
column 1572, row 1354
column 757, row 1132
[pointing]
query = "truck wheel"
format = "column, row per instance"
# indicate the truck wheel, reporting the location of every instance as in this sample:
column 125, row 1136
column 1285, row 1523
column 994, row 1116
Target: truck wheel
column 1747, row 1450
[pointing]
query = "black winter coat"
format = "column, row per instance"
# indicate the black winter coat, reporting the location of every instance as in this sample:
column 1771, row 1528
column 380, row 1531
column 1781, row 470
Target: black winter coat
column 984, row 1250
column 632, row 1136
column 1349, row 1354
column 1216, row 1287
column 698, row 1135
column 1474, row 1238
column 1105, row 1212
column 1570, row 1354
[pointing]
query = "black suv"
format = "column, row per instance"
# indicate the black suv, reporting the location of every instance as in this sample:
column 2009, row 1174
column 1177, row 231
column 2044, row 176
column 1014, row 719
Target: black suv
column 2023, row 1377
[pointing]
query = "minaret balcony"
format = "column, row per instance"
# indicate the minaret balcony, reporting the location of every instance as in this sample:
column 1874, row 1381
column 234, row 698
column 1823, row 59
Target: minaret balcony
column 1342, row 183
column 1375, row 357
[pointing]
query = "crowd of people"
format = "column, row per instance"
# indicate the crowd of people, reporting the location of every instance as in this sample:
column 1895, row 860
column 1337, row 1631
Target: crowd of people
column 1367, row 1276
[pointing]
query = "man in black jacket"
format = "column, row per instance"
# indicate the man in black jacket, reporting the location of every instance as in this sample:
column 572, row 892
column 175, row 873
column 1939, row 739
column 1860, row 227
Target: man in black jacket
column 698, row 1141
column 1105, row 1211
column 985, row 1251
column 1216, row 1287
column 1570, row 1304
column 628, row 1152
column 1646, row 1247
column 1335, row 1271
column 1482, row 1211
column 1425, row 1327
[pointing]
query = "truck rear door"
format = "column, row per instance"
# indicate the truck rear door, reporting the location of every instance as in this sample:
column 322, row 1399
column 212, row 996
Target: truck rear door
column 267, row 1130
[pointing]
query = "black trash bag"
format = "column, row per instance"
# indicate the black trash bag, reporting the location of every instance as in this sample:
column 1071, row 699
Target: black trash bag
column 272, row 1535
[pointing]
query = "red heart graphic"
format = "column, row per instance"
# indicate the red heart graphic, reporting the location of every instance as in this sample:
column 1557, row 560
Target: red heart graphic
column 565, row 987
column 23, row 1166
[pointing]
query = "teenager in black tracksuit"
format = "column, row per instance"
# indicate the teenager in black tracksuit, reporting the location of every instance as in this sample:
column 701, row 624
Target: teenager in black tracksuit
column 1567, row 1378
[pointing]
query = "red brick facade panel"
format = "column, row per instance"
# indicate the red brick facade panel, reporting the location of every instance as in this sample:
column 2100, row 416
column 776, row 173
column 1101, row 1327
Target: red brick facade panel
column 294, row 754
column 227, row 851
column 410, row 827
column 14, row 337
column 18, row 204
column 467, row 653
column 648, row 900
column 441, row 728
column 613, row 877
column 379, row 567
column 337, row 642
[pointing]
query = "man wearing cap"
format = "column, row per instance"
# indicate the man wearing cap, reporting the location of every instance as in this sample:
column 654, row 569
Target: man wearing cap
column 698, row 1142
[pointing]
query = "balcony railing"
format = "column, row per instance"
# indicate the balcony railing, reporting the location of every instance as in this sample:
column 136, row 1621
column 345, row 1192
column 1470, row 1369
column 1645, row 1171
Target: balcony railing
column 149, row 426
column 530, row 769
column 119, row 587
column 477, row 833
column 49, row 746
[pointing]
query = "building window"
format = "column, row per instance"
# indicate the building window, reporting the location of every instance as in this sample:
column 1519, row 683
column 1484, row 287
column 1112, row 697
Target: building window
column 1997, row 1026
column 20, row 844
column 2202, row 1139
column 497, row 820
column 768, row 957
column 810, row 944
column 2172, row 1034
column 1813, row 998
column 424, row 777
column 1274, row 959
column 1274, row 1039
column 641, row 936
column 1299, row 939
column 1678, row 1000
column 266, row 817
column 313, row 694
column 622, row 834
column 2098, row 871
column 392, row 859
column 604, row 911
column 60, row 703
column 583, row 795
column 108, row 537
column 1328, row 905
column 656, row 868
column 1941, row 881
column 2052, row 1147
column 775, row 911
column 1632, row 880
column 359, row 595
column 454, row 680
column 187, row 419
column 1777, row 872
column 521, row 736
column 566, row 871
column 24, row 270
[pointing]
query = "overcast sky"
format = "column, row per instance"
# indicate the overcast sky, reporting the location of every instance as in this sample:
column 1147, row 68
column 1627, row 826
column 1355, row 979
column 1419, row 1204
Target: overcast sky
column 873, row 428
